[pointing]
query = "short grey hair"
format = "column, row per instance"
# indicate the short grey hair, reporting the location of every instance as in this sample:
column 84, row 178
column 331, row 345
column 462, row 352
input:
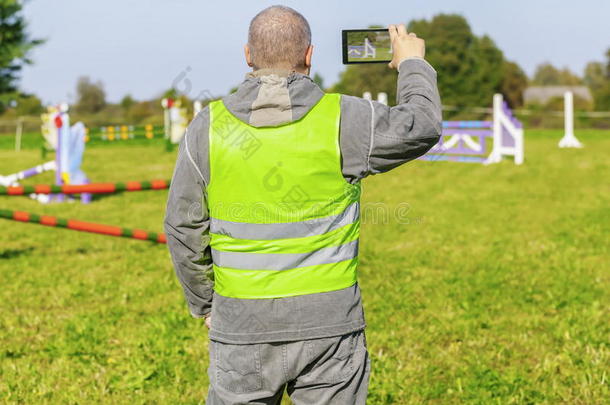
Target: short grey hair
column 278, row 38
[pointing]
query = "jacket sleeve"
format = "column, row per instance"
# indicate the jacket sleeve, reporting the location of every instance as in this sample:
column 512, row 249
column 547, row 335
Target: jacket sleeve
column 376, row 138
column 187, row 221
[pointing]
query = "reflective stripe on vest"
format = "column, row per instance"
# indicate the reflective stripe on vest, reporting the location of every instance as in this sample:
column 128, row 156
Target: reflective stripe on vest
column 284, row 221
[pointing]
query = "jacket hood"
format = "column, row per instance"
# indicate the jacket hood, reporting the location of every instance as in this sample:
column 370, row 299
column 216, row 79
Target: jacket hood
column 273, row 97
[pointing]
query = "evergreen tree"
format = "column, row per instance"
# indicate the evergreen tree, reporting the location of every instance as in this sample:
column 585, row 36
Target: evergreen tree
column 15, row 47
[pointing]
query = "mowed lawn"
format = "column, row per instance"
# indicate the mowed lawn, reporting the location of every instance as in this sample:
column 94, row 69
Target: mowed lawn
column 482, row 285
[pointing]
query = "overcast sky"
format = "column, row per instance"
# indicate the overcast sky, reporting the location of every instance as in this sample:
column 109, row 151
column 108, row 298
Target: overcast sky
column 140, row 47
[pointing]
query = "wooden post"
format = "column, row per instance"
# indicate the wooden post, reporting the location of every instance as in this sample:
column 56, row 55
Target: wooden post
column 18, row 133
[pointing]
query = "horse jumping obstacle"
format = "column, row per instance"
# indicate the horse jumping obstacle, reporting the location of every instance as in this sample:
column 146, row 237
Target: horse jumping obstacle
column 124, row 132
column 92, row 188
column 82, row 226
column 175, row 120
column 69, row 144
column 13, row 179
column 465, row 141
column 366, row 50
column 81, row 189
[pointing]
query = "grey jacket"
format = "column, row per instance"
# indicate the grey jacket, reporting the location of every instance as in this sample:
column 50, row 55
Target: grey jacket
column 374, row 138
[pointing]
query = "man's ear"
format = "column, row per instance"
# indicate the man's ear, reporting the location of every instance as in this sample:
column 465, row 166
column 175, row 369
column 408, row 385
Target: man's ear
column 308, row 54
column 248, row 56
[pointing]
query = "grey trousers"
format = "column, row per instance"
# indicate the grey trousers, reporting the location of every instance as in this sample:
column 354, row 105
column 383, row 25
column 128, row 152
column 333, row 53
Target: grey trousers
column 331, row 370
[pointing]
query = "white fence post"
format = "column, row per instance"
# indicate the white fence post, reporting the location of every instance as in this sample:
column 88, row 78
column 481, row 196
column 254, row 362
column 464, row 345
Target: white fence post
column 569, row 139
column 381, row 97
column 197, row 107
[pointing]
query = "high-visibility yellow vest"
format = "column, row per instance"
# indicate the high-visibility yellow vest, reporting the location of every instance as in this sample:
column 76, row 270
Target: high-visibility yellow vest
column 283, row 220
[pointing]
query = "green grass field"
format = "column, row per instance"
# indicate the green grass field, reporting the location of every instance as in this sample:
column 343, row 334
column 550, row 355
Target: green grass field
column 495, row 291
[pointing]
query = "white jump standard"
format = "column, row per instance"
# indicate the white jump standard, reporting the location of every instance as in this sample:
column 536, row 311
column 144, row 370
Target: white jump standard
column 569, row 139
column 465, row 141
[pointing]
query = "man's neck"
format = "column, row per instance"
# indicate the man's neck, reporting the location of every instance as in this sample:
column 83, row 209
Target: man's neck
column 279, row 71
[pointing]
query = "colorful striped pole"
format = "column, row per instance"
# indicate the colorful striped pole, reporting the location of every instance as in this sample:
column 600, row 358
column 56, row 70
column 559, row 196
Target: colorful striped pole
column 24, row 174
column 83, row 226
column 93, row 188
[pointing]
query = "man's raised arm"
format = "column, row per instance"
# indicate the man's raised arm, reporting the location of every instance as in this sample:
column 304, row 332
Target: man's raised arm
column 377, row 138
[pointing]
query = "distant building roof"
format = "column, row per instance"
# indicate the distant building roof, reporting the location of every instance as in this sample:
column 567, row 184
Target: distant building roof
column 542, row 94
